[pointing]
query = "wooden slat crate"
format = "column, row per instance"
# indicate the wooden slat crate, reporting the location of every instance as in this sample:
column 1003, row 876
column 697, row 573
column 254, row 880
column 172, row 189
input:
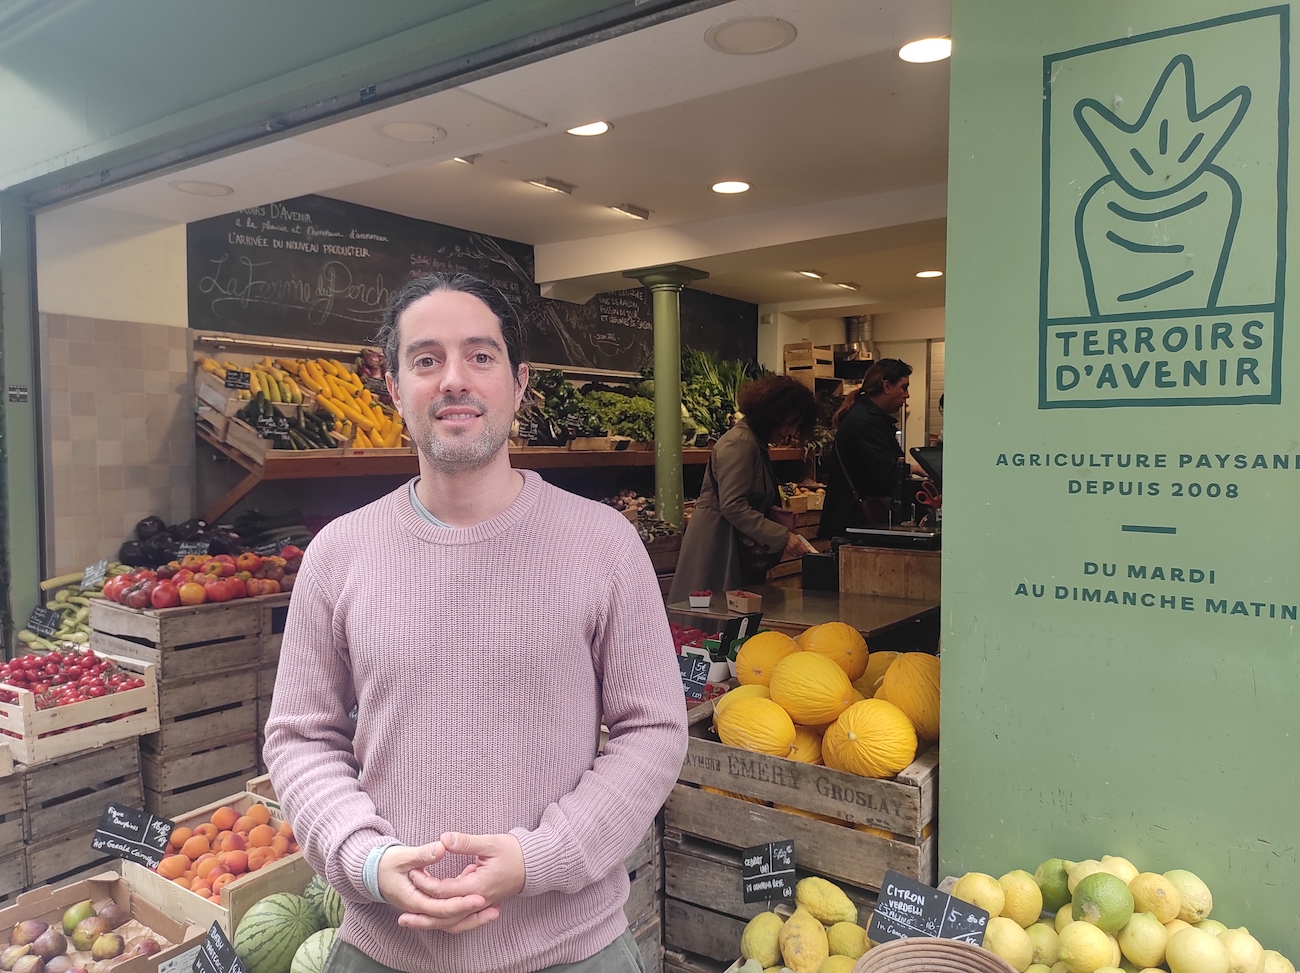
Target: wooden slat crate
column 663, row 552
column 65, row 857
column 181, row 642
column 644, row 905
column 192, row 712
column 13, row 875
column 68, row 795
column 11, row 817
column 178, row 781
column 275, row 610
column 677, row 961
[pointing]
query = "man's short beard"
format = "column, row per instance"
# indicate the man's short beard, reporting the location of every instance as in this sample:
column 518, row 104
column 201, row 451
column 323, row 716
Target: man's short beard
column 449, row 456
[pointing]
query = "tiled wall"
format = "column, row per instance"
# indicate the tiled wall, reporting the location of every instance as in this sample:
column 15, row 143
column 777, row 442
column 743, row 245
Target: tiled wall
column 119, row 432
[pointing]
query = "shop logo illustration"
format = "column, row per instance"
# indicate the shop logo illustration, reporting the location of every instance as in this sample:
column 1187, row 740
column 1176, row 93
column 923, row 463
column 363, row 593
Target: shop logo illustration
column 1163, row 254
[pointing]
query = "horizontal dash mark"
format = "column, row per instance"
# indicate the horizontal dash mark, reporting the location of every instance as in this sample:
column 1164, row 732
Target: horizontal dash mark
column 1142, row 529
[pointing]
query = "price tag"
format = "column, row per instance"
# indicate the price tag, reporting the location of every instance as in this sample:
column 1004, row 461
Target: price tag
column 268, row 550
column 191, row 547
column 238, row 380
column 695, row 674
column 217, row 955
column 94, row 574
column 528, row 429
column 275, row 428
column 133, row 834
column 907, row 909
column 45, row 622
column 767, row 871
column 574, row 425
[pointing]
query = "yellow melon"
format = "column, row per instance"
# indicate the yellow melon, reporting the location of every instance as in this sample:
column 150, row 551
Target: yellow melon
column 842, row 644
column 872, row 738
column 757, row 724
column 807, row 745
column 759, row 655
column 802, row 638
column 912, row 684
column 754, row 690
column 811, row 688
column 877, row 663
column 739, row 797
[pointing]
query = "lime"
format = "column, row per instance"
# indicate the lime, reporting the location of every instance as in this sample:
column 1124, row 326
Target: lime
column 1196, row 951
column 1084, row 948
column 1022, row 899
column 1053, row 881
column 1103, row 900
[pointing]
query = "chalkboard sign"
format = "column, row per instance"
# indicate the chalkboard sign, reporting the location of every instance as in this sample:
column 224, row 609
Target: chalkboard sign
column 274, row 427
column 907, row 909
column 191, row 547
column 94, row 574
column 132, row 834
column 767, row 872
column 236, row 379
column 268, row 550
column 321, row 269
column 44, row 622
column 217, row 955
column 695, row 674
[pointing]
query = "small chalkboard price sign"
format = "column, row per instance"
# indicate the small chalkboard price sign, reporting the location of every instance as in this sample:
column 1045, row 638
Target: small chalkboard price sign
column 236, row 379
column 191, row 547
column 268, row 550
column 217, row 955
column 767, row 871
column 275, row 428
column 907, row 909
column 94, row 574
column 44, row 622
column 132, row 834
column 695, row 674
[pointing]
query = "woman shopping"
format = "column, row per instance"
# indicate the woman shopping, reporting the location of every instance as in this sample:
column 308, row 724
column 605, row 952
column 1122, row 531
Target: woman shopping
column 864, row 462
column 729, row 531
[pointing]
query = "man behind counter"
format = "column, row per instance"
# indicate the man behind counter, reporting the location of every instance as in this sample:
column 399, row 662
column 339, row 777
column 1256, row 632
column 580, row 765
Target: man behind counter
column 864, row 463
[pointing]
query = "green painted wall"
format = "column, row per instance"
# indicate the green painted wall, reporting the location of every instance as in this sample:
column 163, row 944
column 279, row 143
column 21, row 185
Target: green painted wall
column 1167, row 735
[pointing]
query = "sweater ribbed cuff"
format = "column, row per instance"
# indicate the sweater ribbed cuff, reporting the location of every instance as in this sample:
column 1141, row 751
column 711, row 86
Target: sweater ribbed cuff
column 545, row 864
column 351, row 858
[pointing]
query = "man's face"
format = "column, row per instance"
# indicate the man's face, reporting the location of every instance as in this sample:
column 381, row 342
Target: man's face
column 894, row 394
column 455, row 389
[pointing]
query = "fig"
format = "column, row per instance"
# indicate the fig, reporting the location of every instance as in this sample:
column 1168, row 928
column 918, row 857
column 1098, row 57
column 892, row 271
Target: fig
column 26, row 932
column 11, row 955
column 74, row 914
column 107, row 946
column 115, row 915
column 29, row 964
column 146, row 947
column 87, row 931
column 50, row 944
column 59, row 964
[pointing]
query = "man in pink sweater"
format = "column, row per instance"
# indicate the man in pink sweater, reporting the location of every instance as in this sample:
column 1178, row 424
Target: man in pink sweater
column 450, row 653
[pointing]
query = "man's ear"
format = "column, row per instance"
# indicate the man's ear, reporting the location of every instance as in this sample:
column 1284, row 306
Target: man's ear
column 521, row 384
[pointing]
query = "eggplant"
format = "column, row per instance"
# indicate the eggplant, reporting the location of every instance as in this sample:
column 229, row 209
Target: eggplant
column 191, row 530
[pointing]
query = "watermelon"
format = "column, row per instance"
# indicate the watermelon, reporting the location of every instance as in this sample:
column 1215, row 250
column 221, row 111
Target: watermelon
column 272, row 930
column 326, row 901
column 311, row 955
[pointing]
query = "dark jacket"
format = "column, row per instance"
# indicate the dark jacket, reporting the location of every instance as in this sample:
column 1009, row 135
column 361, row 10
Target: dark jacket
column 867, row 442
column 739, row 488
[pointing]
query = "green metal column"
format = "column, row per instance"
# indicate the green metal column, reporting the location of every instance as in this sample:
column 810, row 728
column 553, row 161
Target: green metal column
column 666, row 283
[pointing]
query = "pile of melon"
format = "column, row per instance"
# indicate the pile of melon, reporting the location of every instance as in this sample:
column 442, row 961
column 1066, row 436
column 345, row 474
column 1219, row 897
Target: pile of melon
column 287, row 933
column 824, row 699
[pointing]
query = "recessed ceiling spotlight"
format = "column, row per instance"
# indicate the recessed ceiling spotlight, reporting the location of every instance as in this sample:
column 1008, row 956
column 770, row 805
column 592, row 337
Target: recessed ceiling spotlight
column 731, row 187
column 196, row 187
column 926, row 50
column 814, row 274
column 750, row 35
column 924, row 274
column 636, row 212
column 848, row 285
column 594, row 128
column 411, row 131
column 465, row 160
column 553, row 185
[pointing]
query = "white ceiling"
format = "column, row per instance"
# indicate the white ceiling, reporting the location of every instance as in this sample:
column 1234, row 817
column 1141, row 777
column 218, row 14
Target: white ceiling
column 844, row 144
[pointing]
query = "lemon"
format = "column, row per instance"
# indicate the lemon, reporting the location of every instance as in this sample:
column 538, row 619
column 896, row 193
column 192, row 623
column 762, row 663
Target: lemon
column 759, row 940
column 1111, row 969
column 1022, row 899
column 1176, row 925
column 1275, row 962
column 1008, row 939
column 1116, row 954
column 1046, row 944
column 1196, row 951
column 981, row 890
column 1121, row 868
column 847, row 939
column 1127, row 966
column 837, row 964
column 1143, row 940
column 1213, row 926
column 1064, row 916
column 1057, row 967
column 1038, row 968
column 1245, row 954
column 1155, row 894
column 1084, row 948
column 825, row 900
column 1196, row 901
column 1104, row 900
column 803, row 942
column 1053, row 882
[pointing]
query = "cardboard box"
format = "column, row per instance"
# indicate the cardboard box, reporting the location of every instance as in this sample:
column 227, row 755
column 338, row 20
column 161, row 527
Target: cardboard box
column 48, row 905
column 744, row 602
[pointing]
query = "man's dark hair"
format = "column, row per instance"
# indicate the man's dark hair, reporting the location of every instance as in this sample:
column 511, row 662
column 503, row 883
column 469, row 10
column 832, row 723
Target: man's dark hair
column 389, row 338
column 773, row 400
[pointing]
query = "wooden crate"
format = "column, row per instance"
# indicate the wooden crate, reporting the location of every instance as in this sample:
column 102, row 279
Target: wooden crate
column 648, row 936
column 213, row 420
column 664, row 551
column 12, row 828
column 890, row 573
column 288, row 874
column 13, row 876
column 181, row 642
column 37, row 735
column 175, row 782
column 68, row 795
column 274, row 613
column 679, row 961
column 65, row 857
column 192, row 712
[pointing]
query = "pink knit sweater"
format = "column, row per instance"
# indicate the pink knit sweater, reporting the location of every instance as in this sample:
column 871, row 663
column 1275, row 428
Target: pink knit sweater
column 481, row 661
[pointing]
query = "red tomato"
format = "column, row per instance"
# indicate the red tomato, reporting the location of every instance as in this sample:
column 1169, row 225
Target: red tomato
column 136, row 597
column 183, row 576
column 165, row 595
column 219, row 591
column 238, row 589
column 249, row 562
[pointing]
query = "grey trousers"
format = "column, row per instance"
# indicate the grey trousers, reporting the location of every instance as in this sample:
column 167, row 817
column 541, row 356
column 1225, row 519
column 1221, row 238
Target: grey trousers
column 620, row 956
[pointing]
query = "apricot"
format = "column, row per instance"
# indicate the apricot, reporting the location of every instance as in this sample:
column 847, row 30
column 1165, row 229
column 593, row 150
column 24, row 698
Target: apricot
column 259, row 857
column 221, row 881
column 179, row 837
column 196, row 846
column 224, row 818
column 204, row 869
column 236, row 861
column 261, row 836
column 259, row 813
column 203, row 858
column 183, row 882
column 201, row 886
column 173, row 866
column 235, row 841
column 286, row 829
column 280, row 845
column 208, row 831
column 244, row 825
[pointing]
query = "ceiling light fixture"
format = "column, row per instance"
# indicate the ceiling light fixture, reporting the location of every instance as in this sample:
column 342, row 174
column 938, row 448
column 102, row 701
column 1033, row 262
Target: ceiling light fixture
column 848, row 285
column 465, row 160
column 731, row 187
column 925, row 274
column 414, row 132
column 196, row 187
column 553, row 185
column 814, row 274
column 750, row 35
column 926, row 50
column 636, row 212
column 592, row 128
